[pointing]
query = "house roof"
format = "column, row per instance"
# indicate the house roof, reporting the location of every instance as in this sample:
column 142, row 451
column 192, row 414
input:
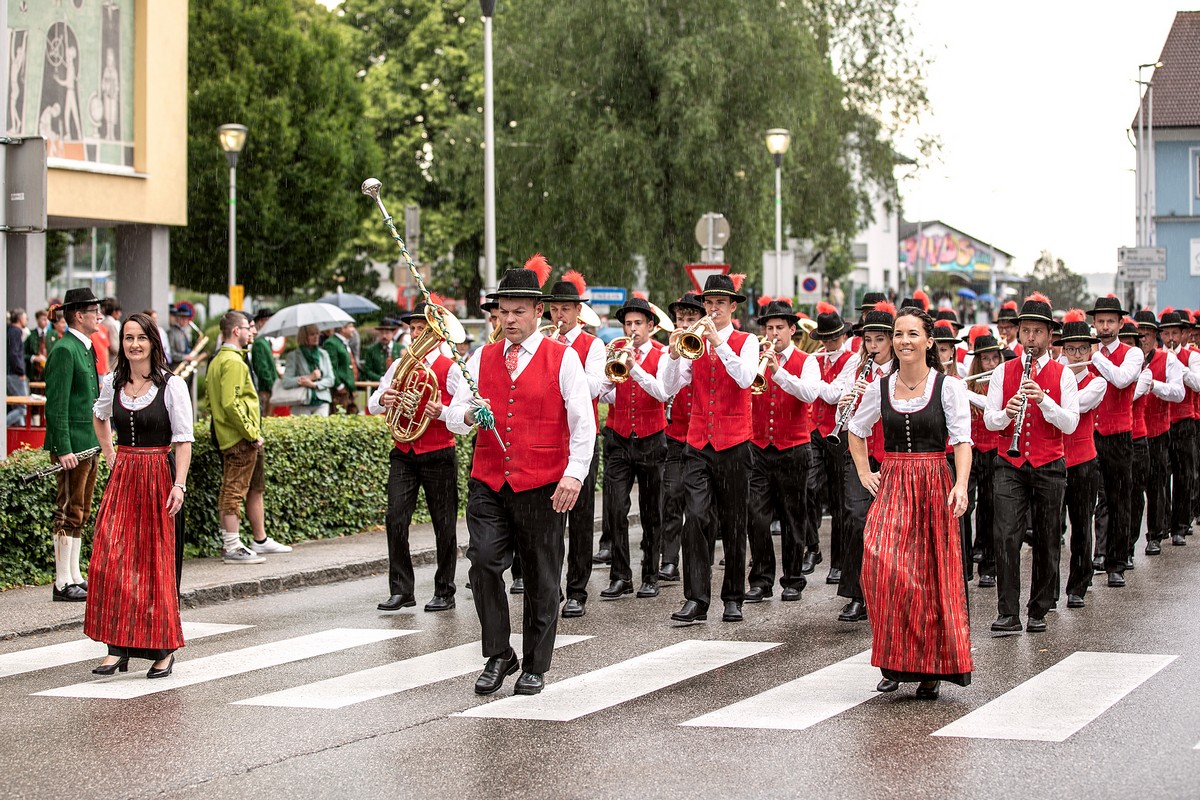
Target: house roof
column 907, row 229
column 1177, row 82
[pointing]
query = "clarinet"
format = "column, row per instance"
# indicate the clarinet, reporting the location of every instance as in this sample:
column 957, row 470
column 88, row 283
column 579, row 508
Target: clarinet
column 844, row 418
column 90, row 453
column 1014, row 446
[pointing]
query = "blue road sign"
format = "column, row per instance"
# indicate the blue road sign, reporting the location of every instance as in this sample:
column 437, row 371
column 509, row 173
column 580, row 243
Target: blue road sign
column 606, row 295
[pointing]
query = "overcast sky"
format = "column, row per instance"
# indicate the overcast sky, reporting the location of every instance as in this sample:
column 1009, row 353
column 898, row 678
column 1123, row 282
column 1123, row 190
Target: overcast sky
column 1032, row 102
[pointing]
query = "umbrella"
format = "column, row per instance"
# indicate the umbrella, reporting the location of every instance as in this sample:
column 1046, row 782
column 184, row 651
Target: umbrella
column 969, row 294
column 986, row 298
column 350, row 303
column 288, row 321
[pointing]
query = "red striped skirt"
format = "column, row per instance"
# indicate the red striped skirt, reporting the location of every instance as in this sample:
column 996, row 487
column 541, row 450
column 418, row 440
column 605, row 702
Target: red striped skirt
column 912, row 573
column 132, row 597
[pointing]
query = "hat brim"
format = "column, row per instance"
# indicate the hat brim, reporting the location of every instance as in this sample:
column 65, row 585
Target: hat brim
column 1118, row 311
column 875, row 327
column 674, row 308
column 995, row 348
column 623, row 310
column 1162, row 325
column 519, row 294
column 734, row 296
column 563, row 298
column 1064, row 339
column 792, row 319
column 819, row 335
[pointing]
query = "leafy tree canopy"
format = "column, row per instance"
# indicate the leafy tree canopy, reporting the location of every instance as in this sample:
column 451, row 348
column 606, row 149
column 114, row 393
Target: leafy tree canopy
column 1051, row 277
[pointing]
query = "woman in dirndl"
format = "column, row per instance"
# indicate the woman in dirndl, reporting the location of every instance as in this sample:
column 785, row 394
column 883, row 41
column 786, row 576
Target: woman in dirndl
column 133, row 597
column 912, row 574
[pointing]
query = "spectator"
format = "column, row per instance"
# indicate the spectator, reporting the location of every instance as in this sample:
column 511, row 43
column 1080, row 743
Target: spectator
column 262, row 362
column 338, row 347
column 166, row 343
column 178, row 336
column 18, row 382
column 100, row 342
column 309, row 366
column 377, row 355
column 36, row 346
column 112, row 324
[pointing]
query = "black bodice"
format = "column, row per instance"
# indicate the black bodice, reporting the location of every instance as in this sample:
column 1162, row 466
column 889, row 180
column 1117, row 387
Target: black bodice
column 921, row 431
column 149, row 427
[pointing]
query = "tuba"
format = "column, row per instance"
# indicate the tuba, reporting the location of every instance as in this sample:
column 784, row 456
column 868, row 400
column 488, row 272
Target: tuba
column 415, row 381
column 691, row 344
column 759, row 384
column 617, row 357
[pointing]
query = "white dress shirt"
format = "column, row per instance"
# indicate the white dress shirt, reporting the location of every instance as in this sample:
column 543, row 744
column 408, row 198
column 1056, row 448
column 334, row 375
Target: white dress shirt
column 742, row 366
column 178, row 401
column 593, row 365
column 1064, row 416
column 807, row 385
column 1189, row 373
column 1171, row 389
column 1121, row 376
column 572, row 383
column 955, row 405
column 1092, row 395
column 87, row 341
column 454, row 379
column 832, row 391
column 651, row 383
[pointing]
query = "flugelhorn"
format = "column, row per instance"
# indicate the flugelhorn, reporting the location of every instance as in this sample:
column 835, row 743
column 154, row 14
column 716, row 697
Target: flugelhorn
column 834, row 437
column 690, row 343
column 759, row 384
column 414, row 381
column 617, row 357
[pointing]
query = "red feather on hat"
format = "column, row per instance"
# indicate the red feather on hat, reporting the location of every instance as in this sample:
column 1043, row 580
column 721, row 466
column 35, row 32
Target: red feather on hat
column 1128, row 321
column 1110, row 294
column 436, row 299
column 943, row 324
column 1075, row 315
column 1167, row 310
column 1010, row 304
column 575, row 278
column 737, row 279
column 540, row 266
column 885, row 306
column 802, row 315
column 1190, row 316
column 641, row 296
column 764, row 301
column 920, row 296
column 1038, row 297
column 826, row 308
column 977, row 331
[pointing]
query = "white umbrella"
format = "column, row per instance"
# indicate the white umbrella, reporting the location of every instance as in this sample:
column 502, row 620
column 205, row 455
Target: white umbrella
column 288, row 321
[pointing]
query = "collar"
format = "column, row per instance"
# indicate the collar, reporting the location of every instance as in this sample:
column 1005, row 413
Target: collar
column 786, row 353
column 646, row 348
column 86, row 340
column 573, row 334
column 343, row 338
column 530, row 345
column 1042, row 360
column 883, row 369
column 233, row 347
column 1111, row 348
column 725, row 332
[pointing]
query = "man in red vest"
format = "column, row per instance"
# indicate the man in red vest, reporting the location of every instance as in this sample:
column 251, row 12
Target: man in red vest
column 781, row 456
column 1029, row 481
column 1183, row 426
column 565, row 302
column 1159, row 389
column 1120, row 365
column 634, row 450
column 717, row 459
column 1006, row 324
column 526, row 474
column 427, row 463
column 685, row 312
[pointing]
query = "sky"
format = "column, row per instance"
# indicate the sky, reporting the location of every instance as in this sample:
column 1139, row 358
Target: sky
column 1032, row 102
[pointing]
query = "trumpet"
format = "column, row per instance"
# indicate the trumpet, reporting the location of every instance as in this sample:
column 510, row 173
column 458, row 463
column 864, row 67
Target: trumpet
column 690, row 344
column 844, row 418
column 765, row 356
column 1014, row 445
column 618, row 356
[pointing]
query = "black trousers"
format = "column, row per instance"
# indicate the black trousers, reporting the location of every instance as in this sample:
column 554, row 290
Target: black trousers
column 1020, row 493
column 964, row 524
column 672, row 501
column 1083, row 482
column 1183, row 473
column 1115, row 454
column 857, row 502
column 778, row 491
column 437, row 474
column 983, row 464
column 626, row 461
column 715, row 482
column 1157, row 476
column 495, row 521
column 581, row 529
column 826, row 478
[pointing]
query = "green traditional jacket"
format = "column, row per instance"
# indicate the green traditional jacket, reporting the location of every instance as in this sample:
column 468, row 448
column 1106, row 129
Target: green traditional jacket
column 72, row 387
column 374, row 362
column 339, row 355
column 397, row 348
column 33, row 343
column 262, row 362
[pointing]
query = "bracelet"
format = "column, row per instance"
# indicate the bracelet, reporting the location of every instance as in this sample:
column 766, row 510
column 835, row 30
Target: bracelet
column 181, row 487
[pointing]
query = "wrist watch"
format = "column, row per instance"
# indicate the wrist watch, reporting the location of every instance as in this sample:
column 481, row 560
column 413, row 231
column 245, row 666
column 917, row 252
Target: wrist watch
column 181, row 487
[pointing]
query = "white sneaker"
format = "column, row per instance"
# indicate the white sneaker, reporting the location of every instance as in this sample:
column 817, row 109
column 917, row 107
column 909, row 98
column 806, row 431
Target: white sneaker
column 269, row 545
column 241, row 555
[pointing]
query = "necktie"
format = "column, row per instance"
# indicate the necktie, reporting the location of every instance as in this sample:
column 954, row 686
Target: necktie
column 1033, row 373
column 510, row 358
column 637, row 356
column 562, row 337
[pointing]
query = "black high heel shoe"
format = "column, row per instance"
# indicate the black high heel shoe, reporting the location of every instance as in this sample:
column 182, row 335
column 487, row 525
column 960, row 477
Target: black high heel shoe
column 121, row 665
column 925, row 692
column 164, row 672
column 887, row 685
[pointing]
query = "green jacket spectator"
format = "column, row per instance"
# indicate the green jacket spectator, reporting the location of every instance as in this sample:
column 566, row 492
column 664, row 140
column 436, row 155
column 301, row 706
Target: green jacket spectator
column 72, row 386
column 374, row 361
column 339, row 357
column 232, row 399
column 262, row 362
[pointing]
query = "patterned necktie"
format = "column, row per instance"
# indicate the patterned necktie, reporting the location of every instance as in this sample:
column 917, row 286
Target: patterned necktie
column 562, row 338
column 1033, row 373
column 510, row 358
column 637, row 355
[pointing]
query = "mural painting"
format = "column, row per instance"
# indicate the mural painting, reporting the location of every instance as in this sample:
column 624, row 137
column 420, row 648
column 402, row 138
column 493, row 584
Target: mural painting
column 945, row 252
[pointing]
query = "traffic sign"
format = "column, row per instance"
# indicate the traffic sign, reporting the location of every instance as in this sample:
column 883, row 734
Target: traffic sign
column 1156, row 272
column 712, row 231
column 699, row 273
column 606, row 295
column 1142, row 257
column 809, row 288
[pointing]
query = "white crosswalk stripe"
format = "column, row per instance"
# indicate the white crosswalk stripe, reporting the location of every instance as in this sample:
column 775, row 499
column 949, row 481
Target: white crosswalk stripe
column 1058, row 702
column 801, row 703
column 55, row 655
column 389, row 679
column 234, row 662
column 603, row 688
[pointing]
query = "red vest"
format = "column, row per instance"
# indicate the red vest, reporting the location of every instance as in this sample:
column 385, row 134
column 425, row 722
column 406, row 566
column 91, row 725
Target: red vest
column 436, row 436
column 985, row 440
column 720, row 408
column 1115, row 414
column 1158, row 413
column 779, row 418
column 1040, row 441
column 635, row 411
column 531, row 417
column 681, row 414
column 1185, row 409
column 875, row 441
column 1080, row 446
column 582, row 344
column 824, row 415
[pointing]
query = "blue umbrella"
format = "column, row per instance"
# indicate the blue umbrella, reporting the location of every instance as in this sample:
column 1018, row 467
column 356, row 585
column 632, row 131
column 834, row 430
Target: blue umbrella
column 350, row 303
column 986, row 298
column 969, row 294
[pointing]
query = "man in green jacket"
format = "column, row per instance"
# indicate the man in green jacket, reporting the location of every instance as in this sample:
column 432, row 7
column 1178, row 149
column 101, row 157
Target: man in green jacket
column 338, row 347
column 262, row 362
column 237, row 423
column 72, row 386
column 377, row 356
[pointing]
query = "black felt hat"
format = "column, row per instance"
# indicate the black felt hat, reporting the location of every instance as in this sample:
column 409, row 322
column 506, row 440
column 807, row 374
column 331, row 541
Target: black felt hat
column 418, row 312
column 949, row 315
column 1129, row 330
column 943, row 331
column 870, row 299
column 1146, row 319
column 830, row 324
column 1172, row 319
column 778, row 309
column 79, row 298
column 263, row 313
column 519, row 283
column 881, row 318
column 388, row 324
column 1076, row 331
column 986, row 343
column 1007, row 312
column 1036, row 308
column 568, row 289
column 1108, row 305
column 689, row 300
column 639, row 305
column 721, row 285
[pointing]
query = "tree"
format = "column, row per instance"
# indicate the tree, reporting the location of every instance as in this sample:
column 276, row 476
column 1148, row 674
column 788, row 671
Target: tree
column 283, row 68
column 1065, row 288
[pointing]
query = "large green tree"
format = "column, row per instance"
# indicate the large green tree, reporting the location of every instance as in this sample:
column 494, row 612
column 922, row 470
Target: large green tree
column 284, row 69
column 1051, row 277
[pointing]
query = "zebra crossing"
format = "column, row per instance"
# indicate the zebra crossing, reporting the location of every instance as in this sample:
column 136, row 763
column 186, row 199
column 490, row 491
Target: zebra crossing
column 1051, row 706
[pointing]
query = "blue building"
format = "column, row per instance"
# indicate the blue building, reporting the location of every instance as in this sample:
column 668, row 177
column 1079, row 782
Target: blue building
column 1170, row 200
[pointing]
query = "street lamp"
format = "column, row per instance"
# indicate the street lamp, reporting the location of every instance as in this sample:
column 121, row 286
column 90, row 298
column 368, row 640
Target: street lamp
column 778, row 141
column 233, row 138
column 488, row 7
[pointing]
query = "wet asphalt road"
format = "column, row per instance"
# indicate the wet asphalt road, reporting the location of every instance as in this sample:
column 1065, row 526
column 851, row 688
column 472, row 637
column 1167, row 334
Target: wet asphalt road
column 192, row 741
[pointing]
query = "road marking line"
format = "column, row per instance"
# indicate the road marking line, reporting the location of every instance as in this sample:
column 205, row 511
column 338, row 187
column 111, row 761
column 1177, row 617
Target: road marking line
column 801, row 703
column 1060, row 701
column 603, row 688
column 56, row 655
column 389, row 679
column 234, row 662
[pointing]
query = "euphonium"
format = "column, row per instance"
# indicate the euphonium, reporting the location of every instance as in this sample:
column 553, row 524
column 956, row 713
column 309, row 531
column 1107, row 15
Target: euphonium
column 496, row 335
column 690, row 344
column 415, row 381
column 617, row 358
column 759, row 384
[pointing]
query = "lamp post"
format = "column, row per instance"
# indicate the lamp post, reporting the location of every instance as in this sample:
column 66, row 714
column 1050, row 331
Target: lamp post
column 233, row 138
column 488, row 7
column 778, row 141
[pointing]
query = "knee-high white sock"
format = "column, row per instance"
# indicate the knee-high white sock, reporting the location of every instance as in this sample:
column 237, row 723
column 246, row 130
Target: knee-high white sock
column 62, row 558
column 232, row 539
column 76, row 546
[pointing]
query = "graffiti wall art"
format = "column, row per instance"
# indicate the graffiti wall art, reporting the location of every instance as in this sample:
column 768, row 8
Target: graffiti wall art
column 937, row 251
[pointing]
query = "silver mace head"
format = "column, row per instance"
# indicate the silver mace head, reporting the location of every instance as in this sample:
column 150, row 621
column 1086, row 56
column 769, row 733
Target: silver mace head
column 371, row 187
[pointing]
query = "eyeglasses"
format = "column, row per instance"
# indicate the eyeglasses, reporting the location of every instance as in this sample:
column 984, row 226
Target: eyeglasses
column 1078, row 350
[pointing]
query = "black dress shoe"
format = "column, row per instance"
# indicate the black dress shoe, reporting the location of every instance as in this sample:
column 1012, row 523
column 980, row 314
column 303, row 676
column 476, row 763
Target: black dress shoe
column 71, row 593
column 691, row 612
column 573, row 608
column 155, row 672
column 1006, row 625
column 834, row 576
column 440, row 603
column 602, row 557
column 854, row 611
column 498, row 668
column 517, row 587
column 987, row 581
column 925, row 692
column 616, row 589
column 529, row 683
column 733, row 611
column 1036, row 625
column 1176, row 539
column 668, row 572
column 397, row 602
column 121, row 665
column 82, row 585
column 1116, row 580
column 790, row 594
column 1129, row 563
column 1153, row 548
column 887, row 685
column 1098, row 564
column 756, row 594
column 1075, row 601
column 648, row 589
column 811, row 559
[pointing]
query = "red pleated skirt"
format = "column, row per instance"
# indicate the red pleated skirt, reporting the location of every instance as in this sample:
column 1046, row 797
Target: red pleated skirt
column 132, row 598
column 912, row 574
